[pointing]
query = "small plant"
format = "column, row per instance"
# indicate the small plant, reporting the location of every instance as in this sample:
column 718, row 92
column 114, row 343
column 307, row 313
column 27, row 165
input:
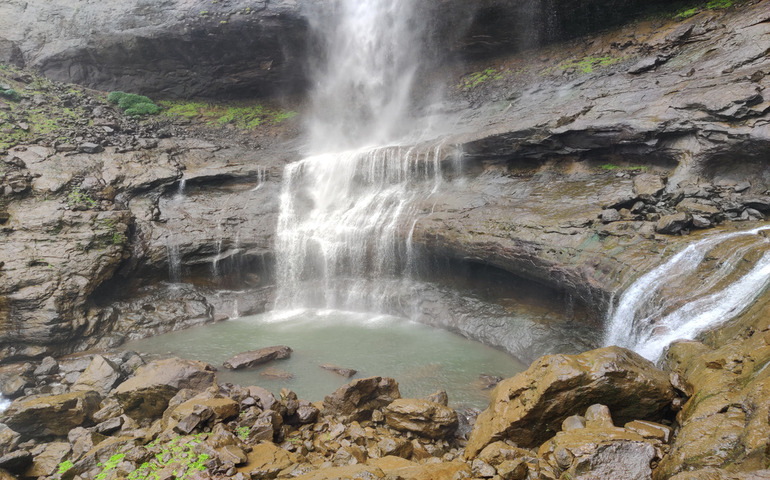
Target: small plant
column 240, row 115
column 612, row 167
column 179, row 451
column 110, row 465
column 243, row 433
column 477, row 78
column 64, row 467
column 133, row 104
column 79, row 199
column 118, row 238
column 10, row 94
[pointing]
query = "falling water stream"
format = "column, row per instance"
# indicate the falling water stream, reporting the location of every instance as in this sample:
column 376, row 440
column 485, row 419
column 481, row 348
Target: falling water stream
column 705, row 285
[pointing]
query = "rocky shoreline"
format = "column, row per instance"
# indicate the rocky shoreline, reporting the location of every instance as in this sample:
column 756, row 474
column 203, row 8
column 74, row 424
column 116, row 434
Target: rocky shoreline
column 584, row 164
column 116, row 417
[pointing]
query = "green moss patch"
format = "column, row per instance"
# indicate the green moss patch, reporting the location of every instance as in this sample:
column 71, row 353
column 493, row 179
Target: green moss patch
column 244, row 116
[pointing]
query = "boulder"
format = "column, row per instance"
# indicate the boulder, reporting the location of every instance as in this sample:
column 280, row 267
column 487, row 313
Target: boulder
column 9, row 439
column 101, row 375
column 257, row 357
column 673, row 224
column 48, row 366
column 357, row 400
column 34, row 417
column 647, row 186
column 423, row 417
column 47, row 462
column 146, row 395
column 527, row 407
column 267, row 459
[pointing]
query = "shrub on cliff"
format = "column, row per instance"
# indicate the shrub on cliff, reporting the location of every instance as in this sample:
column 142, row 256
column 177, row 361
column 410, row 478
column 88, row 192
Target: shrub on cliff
column 10, row 94
column 133, row 104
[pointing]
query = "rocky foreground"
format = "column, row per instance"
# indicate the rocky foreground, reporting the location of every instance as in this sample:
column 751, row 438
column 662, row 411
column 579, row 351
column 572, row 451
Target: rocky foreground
column 603, row 414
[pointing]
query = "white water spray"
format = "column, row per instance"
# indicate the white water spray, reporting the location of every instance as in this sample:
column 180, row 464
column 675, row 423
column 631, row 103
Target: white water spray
column 345, row 212
column 688, row 295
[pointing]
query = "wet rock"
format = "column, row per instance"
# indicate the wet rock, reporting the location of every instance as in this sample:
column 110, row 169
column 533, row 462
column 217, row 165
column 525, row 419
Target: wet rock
column 41, row 416
column 266, row 399
column 48, row 366
column 488, row 382
column 276, row 373
column 47, row 462
column 673, row 224
column 9, row 439
column 257, row 357
column 610, row 215
column 700, row 222
column 146, row 395
column 422, row 417
column 100, row 376
column 90, row 147
column 525, row 407
column 16, row 461
column 267, row 459
column 342, row 371
column 440, row 397
column 648, row 186
column 647, row 64
column 357, row 400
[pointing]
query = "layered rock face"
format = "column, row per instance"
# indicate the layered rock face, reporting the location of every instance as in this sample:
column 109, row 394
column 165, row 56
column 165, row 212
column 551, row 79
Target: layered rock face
column 172, row 49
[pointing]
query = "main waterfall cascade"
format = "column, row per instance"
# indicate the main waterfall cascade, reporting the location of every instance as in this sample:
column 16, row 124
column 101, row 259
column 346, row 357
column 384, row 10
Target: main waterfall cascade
column 703, row 286
column 347, row 210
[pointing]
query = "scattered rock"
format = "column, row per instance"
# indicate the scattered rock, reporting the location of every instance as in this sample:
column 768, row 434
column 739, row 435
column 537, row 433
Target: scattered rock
column 425, row 418
column 257, row 357
column 101, row 376
column 357, row 400
column 610, row 215
column 90, row 147
column 48, row 366
column 648, row 186
column 673, row 224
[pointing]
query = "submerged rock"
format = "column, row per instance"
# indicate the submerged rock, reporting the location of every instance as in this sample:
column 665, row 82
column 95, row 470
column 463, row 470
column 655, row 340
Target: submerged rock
column 342, row 371
column 527, row 407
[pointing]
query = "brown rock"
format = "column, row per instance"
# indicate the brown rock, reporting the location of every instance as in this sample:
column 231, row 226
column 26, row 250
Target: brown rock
column 423, row 417
column 345, row 473
column 651, row 430
column 357, row 400
column 257, row 357
column 100, row 376
column 598, row 416
column 276, row 373
column 673, row 224
column 47, row 462
column 398, row 447
column 526, row 407
column 266, row 460
column 51, row 415
column 647, row 186
column 146, row 395
column 499, row 452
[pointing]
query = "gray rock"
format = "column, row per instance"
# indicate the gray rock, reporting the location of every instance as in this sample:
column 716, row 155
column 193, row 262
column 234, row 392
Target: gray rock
column 101, row 376
column 342, row 371
column 700, row 222
column 48, row 366
column 610, row 215
column 574, row 422
column 257, row 357
column 16, row 462
column 648, row 186
column 673, row 224
column 90, row 147
column 35, row 417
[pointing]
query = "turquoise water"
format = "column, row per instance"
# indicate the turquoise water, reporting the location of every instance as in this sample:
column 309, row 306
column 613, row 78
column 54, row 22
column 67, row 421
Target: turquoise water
column 422, row 359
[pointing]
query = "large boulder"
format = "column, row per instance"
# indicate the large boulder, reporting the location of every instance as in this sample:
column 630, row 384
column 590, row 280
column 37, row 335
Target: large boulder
column 34, row 417
column 423, row 417
column 257, row 357
column 529, row 407
column 357, row 400
column 101, row 375
column 146, row 394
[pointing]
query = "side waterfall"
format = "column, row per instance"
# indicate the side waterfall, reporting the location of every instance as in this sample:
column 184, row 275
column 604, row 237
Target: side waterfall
column 706, row 284
column 347, row 211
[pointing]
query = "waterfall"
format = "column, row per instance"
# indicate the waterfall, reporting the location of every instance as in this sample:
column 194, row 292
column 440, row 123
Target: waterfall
column 706, row 284
column 347, row 210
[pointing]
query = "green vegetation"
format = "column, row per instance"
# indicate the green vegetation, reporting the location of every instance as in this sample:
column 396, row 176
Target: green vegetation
column 178, row 452
column 612, row 167
column 242, row 116
column 133, row 104
column 78, row 199
column 477, row 78
column 694, row 10
column 587, row 64
column 118, row 238
column 64, row 467
column 10, row 94
column 110, row 465
column 243, row 433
